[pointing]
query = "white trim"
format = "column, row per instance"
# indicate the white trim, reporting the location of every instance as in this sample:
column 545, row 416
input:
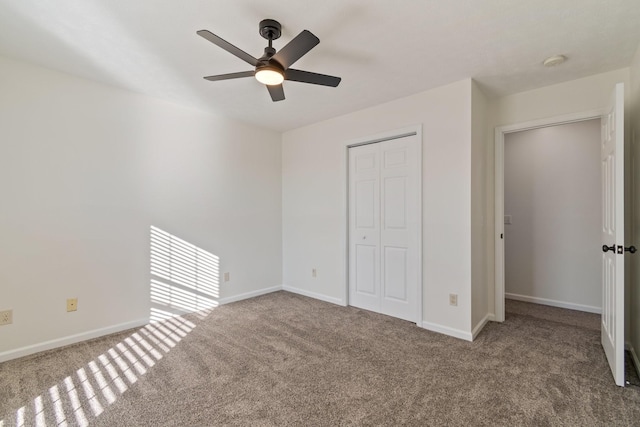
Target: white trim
column 634, row 357
column 71, row 339
column 500, row 132
column 499, row 225
column 456, row 333
column 479, row 326
column 344, row 250
column 554, row 303
column 553, row 121
column 491, row 317
column 247, row 295
column 96, row 333
column 314, row 295
column 420, row 215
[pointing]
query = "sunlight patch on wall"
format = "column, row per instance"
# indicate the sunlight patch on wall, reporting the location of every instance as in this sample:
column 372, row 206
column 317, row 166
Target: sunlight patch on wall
column 184, row 278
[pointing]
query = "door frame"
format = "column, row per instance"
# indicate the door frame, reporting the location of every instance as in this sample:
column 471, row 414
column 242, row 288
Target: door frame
column 415, row 130
column 500, row 133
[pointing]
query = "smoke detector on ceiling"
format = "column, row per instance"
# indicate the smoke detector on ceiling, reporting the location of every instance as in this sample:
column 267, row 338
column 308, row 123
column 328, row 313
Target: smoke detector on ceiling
column 554, row 60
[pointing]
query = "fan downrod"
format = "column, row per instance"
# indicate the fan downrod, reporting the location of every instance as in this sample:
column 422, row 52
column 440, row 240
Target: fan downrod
column 270, row 29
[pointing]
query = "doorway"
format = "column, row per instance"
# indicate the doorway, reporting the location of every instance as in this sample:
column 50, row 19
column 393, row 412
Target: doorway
column 552, row 216
column 384, row 226
column 500, row 134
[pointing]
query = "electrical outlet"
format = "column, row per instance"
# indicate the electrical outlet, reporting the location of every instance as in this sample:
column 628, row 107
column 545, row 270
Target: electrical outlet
column 72, row 304
column 226, row 277
column 6, row 317
column 314, row 273
column 453, row 299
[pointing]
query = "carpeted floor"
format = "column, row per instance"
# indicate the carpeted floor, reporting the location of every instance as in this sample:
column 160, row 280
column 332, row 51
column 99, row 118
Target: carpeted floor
column 283, row 359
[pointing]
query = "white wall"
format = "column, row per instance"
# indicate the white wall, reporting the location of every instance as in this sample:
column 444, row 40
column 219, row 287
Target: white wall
column 634, row 260
column 579, row 95
column 552, row 193
column 575, row 96
column 479, row 237
column 314, row 200
column 86, row 169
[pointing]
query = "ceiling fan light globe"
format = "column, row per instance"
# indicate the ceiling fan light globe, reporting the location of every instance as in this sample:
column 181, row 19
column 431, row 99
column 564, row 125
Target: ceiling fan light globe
column 269, row 76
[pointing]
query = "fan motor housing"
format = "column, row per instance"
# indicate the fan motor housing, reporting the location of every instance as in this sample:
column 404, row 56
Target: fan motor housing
column 270, row 29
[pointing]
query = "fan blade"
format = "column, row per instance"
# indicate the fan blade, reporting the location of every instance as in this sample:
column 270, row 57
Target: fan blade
column 230, row 76
column 276, row 92
column 228, row 47
column 313, row 78
column 296, row 48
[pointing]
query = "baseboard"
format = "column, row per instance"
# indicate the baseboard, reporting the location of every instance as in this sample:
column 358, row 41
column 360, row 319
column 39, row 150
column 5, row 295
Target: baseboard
column 456, row 333
column 634, row 357
column 247, row 295
column 491, row 317
column 314, row 295
column 96, row 333
column 71, row 339
column 554, row 303
column 479, row 326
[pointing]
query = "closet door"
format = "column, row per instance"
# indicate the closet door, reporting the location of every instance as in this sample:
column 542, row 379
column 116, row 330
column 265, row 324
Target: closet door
column 383, row 227
column 399, row 227
column 364, row 227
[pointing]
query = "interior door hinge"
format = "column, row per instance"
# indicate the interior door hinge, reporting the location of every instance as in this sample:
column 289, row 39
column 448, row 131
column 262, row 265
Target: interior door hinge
column 501, row 235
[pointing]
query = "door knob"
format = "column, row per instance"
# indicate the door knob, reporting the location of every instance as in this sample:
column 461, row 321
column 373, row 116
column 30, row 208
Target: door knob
column 611, row 248
column 630, row 249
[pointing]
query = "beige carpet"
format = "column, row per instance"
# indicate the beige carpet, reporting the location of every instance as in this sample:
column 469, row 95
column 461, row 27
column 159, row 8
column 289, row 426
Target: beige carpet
column 283, row 359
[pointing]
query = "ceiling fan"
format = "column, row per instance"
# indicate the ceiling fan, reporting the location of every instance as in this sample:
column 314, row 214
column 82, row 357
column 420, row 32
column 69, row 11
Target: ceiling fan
column 272, row 68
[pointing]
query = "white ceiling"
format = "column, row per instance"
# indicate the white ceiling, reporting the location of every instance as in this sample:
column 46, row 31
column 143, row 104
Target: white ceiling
column 382, row 49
